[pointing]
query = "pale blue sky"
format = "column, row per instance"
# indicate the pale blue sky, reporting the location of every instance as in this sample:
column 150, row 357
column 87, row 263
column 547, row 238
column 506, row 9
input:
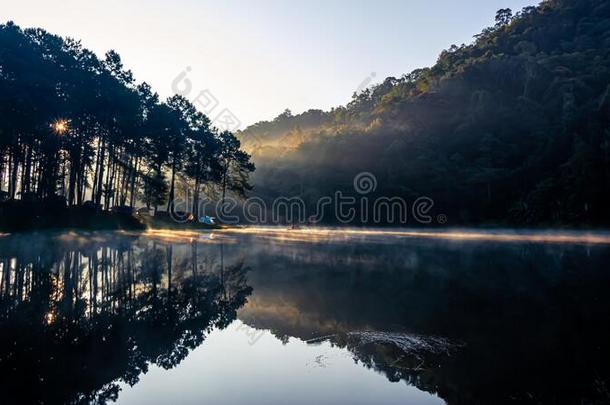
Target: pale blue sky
column 259, row 57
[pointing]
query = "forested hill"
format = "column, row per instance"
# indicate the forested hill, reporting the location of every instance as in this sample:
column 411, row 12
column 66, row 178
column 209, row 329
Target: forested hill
column 513, row 128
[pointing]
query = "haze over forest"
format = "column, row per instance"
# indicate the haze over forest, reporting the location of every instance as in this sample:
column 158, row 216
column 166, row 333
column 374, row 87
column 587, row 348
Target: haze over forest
column 512, row 128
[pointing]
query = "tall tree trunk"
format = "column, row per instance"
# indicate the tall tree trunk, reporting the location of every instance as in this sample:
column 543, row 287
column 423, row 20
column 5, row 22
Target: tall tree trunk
column 194, row 245
column 35, row 176
column 100, row 174
column 63, row 177
column 22, row 164
column 27, row 178
column 132, row 196
column 170, row 202
column 82, row 186
column 116, row 176
column 224, row 184
column 196, row 199
column 14, row 173
column 109, row 177
column 1, row 171
column 170, row 254
column 127, row 173
column 95, row 172
column 9, row 171
column 72, row 180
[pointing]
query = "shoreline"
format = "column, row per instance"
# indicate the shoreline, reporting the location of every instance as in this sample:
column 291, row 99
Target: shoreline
column 347, row 234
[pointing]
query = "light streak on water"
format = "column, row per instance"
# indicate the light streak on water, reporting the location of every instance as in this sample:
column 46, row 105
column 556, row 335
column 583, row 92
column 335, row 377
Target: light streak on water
column 190, row 236
column 360, row 235
column 320, row 234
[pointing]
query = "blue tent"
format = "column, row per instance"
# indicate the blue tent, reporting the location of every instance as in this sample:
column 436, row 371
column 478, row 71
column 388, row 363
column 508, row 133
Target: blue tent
column 207, row 220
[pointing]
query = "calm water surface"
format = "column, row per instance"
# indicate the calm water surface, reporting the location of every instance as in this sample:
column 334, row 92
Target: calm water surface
column 269, row 316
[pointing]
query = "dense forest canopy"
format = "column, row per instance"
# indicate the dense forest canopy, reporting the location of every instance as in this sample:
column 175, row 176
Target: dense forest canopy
column 77, row 129
column 513, row 128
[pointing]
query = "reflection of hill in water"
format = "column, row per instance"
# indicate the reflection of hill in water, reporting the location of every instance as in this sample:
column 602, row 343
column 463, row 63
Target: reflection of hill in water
column 79, row 314
column 477, row 323
column 532, row 318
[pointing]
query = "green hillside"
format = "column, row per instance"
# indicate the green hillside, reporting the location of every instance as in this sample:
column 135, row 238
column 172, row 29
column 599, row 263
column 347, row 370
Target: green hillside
column 513, row 128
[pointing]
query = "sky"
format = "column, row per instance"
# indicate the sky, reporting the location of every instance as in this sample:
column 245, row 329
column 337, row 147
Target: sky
column 257, row 58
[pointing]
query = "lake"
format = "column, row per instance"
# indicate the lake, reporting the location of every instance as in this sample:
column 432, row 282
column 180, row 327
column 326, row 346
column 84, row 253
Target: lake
column 323, row 316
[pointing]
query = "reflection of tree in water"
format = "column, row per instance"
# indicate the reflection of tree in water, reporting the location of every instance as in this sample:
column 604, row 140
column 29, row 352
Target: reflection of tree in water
column 82, row 315
column 530, row 321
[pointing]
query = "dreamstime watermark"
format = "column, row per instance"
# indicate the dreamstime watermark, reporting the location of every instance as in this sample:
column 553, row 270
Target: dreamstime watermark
column 364, row 84
column 251, row 333
column 206, row 101
column 361, row 207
